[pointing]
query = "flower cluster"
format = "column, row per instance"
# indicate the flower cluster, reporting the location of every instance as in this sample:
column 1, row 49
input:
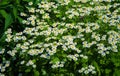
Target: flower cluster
column 58, row 64
column 69, row 30
column 88, row 69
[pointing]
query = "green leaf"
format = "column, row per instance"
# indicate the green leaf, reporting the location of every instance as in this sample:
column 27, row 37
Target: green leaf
column 8, row 21
column 27, row 70
column 3, row 13
column 36, row 1
column 58, row 15
column 84, row 60
column 15, row 12
column 4, row 2
column 116, row 59
column 8, row 18
column 19, row 19
column 117, row 64
column 55, row 59
column 0, row 48
column 97, row 67
column 6, row 6
column 27, row 0
column 17, row 1
column 107, row 71
column 36, row 73
column 2, row 39
column 116, row 73
column 34, row 60
column 102, row 61
column 43, row 72
column 1, row 21
column 63, row 70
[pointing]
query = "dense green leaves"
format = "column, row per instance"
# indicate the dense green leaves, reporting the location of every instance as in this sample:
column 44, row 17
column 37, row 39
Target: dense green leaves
column 117, row 72
column 10, row 17
column 115, row 58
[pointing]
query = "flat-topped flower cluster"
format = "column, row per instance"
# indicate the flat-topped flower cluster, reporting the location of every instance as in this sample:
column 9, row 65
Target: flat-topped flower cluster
column 63, row 33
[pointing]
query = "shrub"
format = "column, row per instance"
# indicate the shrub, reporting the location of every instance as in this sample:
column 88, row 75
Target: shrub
column 64, row 38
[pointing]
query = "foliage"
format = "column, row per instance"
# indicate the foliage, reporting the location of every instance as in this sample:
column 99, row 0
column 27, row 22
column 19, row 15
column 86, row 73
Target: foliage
column 59, row 38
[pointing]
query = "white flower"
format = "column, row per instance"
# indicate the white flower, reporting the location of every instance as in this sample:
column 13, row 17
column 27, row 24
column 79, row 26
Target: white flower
column 46, row 16
column 42, row 11
column 33, row 52
column 77, row 0
column 30, row 62
column 88, row 30
column 2, row 51
column 45, row 56
column 22, row 62
column 66, row 2
column 87, row 70
column 104, row 37
column 85, row 57
column 64, row 47
column 3, row 69
column 23, row 14
column 34, row 66
column 32, row 10
column 93, row 72
column 7, row 64
column 30, row 3
column 12, row 53
column 9, row 31
column 2, row 74
column 84, row 1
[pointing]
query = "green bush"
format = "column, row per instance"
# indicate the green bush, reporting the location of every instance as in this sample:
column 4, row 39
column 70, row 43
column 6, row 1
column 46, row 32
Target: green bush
column 61, row 38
